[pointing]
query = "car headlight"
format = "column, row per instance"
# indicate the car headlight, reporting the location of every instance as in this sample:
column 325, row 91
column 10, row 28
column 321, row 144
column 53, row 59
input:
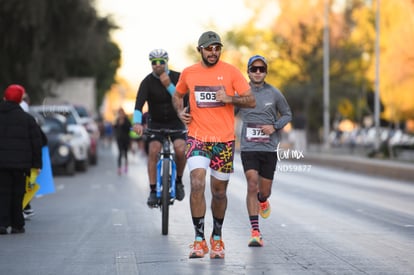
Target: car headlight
column 63, row 150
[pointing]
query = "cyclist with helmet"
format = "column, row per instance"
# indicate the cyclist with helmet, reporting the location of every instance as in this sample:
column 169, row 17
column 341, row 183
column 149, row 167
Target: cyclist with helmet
column 156, row 90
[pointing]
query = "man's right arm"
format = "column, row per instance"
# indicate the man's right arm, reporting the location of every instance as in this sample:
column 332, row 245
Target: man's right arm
column 139, row 103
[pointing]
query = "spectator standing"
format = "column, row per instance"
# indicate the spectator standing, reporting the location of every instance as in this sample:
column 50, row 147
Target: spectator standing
column 20, row 150
column 25, row 102
column 28, row 211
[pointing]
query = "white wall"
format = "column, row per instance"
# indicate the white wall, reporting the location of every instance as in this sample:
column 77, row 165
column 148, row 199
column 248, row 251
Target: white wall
column 78, row 91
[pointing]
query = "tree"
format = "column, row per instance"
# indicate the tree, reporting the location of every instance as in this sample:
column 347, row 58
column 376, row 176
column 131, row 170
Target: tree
column 293, row 44
column 396, row 59
column 47, row 40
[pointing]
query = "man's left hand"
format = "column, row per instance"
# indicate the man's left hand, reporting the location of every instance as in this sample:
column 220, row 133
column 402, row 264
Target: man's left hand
column 222, row 96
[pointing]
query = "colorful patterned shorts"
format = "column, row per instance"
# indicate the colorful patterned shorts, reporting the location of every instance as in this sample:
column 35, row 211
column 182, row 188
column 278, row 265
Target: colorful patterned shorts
column 221, row 154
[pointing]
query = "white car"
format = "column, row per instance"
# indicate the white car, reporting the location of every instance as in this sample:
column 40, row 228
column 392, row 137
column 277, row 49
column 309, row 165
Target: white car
column 80, row 140
column 81, row 144
column 93, row 131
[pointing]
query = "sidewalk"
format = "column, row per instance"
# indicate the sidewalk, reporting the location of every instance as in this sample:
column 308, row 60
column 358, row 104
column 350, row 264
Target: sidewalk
column 357, row 162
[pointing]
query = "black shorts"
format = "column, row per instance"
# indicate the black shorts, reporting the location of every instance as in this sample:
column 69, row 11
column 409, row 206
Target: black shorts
column 175, row 125
column 263, row 162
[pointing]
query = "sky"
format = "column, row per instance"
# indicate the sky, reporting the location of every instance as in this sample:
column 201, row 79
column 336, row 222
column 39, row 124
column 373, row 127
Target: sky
column 172, row 25
column 167, row 24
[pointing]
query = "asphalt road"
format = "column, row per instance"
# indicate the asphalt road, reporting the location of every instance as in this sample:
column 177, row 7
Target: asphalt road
column 323, row 221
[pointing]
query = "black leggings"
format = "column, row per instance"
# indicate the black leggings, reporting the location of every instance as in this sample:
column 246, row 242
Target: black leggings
column 123, row 152
column 12, row 189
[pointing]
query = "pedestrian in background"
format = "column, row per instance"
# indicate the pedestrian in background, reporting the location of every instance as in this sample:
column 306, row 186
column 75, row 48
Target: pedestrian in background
column 20, row 150
column 108, row 134
column 214, row 88
column 259, row 139
column 25, row 102
column 122, row 128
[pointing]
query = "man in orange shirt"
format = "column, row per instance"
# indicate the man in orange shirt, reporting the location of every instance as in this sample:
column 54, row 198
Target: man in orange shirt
column 214, row 88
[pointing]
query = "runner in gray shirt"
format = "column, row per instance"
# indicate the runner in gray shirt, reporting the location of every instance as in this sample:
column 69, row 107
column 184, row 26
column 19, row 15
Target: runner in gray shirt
column 260, row 135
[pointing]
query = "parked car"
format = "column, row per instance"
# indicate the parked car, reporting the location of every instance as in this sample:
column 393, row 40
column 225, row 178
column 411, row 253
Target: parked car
column 61, row 152
column 93, row 130
column 80, row 139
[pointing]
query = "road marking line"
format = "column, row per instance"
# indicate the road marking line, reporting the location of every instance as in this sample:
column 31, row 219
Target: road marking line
column 126, row 263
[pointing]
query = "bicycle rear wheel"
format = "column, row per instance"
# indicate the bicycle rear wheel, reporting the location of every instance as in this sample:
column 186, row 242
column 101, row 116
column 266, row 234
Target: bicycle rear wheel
column 165, row 197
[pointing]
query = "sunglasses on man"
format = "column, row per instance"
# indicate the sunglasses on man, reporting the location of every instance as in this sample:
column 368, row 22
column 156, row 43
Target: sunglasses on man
column 158, row 62
column 253, row 69
column 211, row 48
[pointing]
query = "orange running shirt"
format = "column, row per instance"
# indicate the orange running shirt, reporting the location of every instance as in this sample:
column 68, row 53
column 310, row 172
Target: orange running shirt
column 212, row 121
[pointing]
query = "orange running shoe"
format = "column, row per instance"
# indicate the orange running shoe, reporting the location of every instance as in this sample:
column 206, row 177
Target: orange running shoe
column 256, row 238
column 199, row 248
column 264, row 209
column 217, row 247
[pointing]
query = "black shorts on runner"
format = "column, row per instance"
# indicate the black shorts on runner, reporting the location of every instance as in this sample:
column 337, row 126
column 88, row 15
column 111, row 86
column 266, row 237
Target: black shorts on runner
column 263, row 162
column 174, row 125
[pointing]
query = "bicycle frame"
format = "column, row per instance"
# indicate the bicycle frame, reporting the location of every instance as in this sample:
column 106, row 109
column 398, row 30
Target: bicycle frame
column 166, row 154
column 166, row 175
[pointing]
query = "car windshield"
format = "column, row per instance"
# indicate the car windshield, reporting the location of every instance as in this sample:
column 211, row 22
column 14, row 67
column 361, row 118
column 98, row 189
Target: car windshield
column 70, row 119
column 82, row 111
column 52, row 126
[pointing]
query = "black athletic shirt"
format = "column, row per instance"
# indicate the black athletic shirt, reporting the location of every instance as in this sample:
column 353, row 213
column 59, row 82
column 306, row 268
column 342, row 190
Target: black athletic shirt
column 160, row 108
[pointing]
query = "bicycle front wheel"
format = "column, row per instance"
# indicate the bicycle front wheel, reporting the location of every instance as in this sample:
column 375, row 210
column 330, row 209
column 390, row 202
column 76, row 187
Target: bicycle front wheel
column 165, row 197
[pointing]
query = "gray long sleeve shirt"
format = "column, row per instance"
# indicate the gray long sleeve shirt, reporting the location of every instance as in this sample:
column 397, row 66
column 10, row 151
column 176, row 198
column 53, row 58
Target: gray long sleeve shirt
column 271, row 109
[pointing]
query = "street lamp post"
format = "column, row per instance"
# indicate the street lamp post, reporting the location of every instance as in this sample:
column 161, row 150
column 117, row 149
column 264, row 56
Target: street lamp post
column 377, row 88
column 326, row 127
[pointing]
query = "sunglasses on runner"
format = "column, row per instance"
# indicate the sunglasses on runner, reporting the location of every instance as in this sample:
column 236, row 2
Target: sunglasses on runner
column 158, row 62
column 210, row 48
column 254, row 69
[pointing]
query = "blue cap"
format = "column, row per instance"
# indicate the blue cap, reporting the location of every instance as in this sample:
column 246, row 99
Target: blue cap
column 254, row 58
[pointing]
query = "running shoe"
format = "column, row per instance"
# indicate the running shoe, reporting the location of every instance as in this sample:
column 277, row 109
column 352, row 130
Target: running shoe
column 28, row 213
column 264, row 209
column 256, row 238
column 199, row 248
column 152, row 199
column 217, row 247
column 179, row 190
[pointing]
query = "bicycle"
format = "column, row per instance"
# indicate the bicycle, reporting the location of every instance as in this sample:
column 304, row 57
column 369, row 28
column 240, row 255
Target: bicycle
column 166, row 174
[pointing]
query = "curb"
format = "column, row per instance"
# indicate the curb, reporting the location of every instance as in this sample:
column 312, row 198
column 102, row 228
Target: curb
column 376, row 167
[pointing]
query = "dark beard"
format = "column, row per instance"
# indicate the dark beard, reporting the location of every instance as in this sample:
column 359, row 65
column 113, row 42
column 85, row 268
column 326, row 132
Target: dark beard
column 208, row 64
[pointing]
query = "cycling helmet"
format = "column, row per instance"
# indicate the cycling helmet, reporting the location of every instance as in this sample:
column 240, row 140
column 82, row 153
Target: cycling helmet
column 158, row 54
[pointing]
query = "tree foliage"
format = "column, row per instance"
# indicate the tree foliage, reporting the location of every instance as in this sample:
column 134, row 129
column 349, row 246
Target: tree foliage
column 396, row 59
column 293, row 44
column 45, row 40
